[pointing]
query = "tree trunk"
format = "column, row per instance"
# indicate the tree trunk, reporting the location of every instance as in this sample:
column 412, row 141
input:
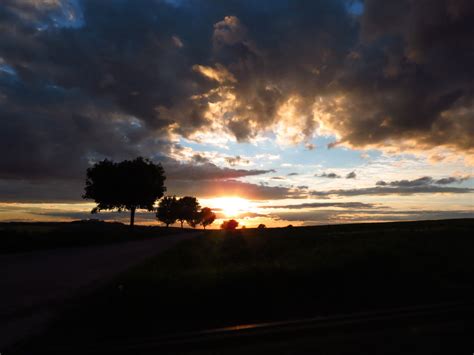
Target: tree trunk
column 132, row 216
column 182, row 224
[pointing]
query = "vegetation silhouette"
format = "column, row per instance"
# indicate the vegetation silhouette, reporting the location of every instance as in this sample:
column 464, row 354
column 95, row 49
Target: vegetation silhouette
column 261, row 226
column 188, row 208
column 229, row 225
column 127, row 185
column 138, row 184
column 207, row 217
column 167, row 211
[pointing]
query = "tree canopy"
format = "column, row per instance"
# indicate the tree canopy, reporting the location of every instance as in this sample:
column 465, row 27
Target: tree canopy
column 127, row 185
column 167, row 211
column 188, row 208
column 207, row 217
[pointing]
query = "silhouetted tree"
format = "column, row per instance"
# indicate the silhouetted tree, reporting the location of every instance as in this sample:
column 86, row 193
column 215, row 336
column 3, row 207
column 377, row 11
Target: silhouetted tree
column 128, row 185
column 261, row 226
column 196, row 220
column 207, row 217
column 167, row 211
column 188, row 208
column 230, row 224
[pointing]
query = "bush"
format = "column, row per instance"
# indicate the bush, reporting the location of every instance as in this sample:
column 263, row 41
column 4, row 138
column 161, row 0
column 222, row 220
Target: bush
column 231, row 224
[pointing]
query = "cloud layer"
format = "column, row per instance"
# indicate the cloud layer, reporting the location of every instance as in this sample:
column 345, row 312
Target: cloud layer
column 84, row 80
column 422, row 185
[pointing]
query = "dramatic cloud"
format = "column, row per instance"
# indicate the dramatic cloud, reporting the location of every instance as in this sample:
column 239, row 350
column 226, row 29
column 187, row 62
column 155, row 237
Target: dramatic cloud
column 408, row 80
column 84, row 80
column 118, row 82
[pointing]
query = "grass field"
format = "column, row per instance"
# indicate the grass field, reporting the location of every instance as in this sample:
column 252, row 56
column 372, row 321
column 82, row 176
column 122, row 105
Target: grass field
column 222, row 279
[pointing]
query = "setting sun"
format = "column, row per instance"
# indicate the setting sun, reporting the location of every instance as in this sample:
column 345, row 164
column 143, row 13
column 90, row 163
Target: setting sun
column 231, row 206
column 170, row 167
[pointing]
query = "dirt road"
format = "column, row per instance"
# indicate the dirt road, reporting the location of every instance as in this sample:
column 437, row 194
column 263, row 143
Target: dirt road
column 33, row 285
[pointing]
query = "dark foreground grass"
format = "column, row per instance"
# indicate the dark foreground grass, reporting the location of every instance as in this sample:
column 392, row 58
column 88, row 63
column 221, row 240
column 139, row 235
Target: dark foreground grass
column 21, row 237
column 250, row 276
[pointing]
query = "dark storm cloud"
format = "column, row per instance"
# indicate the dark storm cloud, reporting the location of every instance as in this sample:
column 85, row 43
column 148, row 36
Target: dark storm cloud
column 83, row 93
column 410, row 75
column 92, row 79
column 135, row 60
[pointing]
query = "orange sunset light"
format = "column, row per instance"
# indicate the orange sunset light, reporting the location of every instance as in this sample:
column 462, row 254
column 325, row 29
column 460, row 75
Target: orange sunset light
column 231, row 206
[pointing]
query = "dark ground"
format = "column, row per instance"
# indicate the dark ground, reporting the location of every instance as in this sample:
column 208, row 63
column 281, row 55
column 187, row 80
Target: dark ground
column 21, row 237
column 225, row 279
column 35, row 285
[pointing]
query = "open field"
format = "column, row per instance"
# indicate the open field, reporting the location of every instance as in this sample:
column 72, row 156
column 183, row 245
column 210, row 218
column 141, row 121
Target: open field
column 224, row 279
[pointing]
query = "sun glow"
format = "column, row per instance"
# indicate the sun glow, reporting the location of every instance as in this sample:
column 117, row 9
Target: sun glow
column 231, row 206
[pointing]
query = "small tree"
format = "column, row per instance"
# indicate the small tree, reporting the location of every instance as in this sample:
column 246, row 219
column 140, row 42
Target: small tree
column 231, row 224
column 261, row 226
column 128, row 185
column 188, row 208
column 167, row 211
column 196, row 220
column 207, row 217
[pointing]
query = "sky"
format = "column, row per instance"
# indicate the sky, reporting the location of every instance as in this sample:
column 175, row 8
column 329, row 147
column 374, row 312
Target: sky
column 272, row 111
